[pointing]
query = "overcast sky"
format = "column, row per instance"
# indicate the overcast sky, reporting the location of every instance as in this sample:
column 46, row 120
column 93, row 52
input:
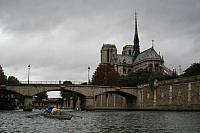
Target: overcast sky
column 61, row 38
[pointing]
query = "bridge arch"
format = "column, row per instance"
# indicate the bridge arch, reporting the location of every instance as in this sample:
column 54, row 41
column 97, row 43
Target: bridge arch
column 73, row 100
column 34, row 90
column 130, row 99
column 121, row 93
column 66, row 90
column 130, row 91
column 10, row 99
column 2, row 90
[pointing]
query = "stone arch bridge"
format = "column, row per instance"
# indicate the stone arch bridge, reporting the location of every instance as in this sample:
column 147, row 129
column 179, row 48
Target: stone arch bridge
column 86, row 93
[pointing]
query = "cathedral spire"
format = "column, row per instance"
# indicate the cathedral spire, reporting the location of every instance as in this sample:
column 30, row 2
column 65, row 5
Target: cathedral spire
column 136, row 38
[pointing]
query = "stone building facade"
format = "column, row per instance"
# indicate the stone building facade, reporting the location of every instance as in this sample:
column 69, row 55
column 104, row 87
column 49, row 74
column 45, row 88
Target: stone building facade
column 132, row 59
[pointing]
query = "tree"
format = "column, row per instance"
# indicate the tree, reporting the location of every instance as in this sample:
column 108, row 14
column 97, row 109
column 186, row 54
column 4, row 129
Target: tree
column 133, row 79
column 67, row 95
column 193, row 70
column 12, row 81
column 129, row 81
column 140, row 77
column 67, row 82
column 105, row 74
column 3, row 77
column 84, row 83
column 63, row 93
column 41, row 96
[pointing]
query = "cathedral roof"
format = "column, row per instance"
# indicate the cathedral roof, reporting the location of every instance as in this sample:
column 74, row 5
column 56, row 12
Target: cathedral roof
column 149, row 54
column 124, row 59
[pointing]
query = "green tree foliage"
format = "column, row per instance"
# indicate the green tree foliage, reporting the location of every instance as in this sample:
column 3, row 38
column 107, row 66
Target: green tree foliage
column 67, row 82
column 140, row 77
column 105, row 74
column 12, row 81
column 41, row 96
column 84, row 83
column 3, row 77
column 65, row 94
column 133, row 79
column 129, row 80
column 193, row 70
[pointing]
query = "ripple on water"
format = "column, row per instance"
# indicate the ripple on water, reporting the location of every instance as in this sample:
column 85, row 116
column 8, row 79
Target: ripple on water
column 95, row 122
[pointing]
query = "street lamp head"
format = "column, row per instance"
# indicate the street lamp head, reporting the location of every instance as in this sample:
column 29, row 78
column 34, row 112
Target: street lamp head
column 88, row 68
column 29, row 66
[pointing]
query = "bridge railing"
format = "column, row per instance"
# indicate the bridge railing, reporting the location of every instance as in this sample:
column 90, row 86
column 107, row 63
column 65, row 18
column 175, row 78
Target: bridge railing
column 50, row 82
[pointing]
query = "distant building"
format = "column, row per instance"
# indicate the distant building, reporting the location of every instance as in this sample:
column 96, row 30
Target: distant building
column 132, row 59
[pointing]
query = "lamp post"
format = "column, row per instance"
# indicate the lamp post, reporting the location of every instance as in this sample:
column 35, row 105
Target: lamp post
column 29, row 67
column 28, row 105
column 89, row 75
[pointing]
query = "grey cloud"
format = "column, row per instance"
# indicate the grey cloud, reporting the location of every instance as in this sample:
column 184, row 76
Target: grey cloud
column 60, row 39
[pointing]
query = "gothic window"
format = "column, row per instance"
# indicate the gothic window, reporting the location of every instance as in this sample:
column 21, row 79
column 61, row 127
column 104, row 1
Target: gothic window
column 148, row 96
column 108, row 55
column 124, row 71
column 160, row 68
column 150, row 67
column 156, row 67
column 111, row 55
column 129, row 70
column 95, row 98
column 129, row 52
column 124, row 61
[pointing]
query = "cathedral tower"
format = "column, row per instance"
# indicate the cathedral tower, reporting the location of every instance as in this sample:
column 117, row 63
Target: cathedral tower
column 108, row 53
column 128, row 50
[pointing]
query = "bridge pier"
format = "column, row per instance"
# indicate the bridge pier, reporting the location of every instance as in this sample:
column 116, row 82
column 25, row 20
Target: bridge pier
column 71, row 102
column 78, row 103
column 28, row 104
column 89, row 103
column 65, row 102
column 131, row 102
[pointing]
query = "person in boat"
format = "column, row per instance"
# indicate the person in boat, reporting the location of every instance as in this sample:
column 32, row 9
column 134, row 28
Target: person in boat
column 56, row 111
column 49, row 110
column 53, row 111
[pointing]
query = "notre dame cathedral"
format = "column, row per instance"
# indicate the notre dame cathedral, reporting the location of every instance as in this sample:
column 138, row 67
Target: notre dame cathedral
column 132, row 59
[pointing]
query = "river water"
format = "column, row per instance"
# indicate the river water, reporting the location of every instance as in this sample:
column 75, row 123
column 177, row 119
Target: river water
column 104, row 121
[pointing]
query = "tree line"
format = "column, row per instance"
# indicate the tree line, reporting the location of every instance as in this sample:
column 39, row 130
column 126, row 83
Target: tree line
column 105, row 74
column 7, row 80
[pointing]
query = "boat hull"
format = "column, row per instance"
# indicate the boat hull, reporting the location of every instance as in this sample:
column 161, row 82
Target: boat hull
column 60, row 117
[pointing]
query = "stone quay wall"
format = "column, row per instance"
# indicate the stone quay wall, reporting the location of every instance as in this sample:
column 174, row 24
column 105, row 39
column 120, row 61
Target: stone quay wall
column 177, row 94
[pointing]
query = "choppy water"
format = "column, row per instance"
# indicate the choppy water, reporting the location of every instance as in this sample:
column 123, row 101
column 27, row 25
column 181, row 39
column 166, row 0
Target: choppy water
column 95, row 122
